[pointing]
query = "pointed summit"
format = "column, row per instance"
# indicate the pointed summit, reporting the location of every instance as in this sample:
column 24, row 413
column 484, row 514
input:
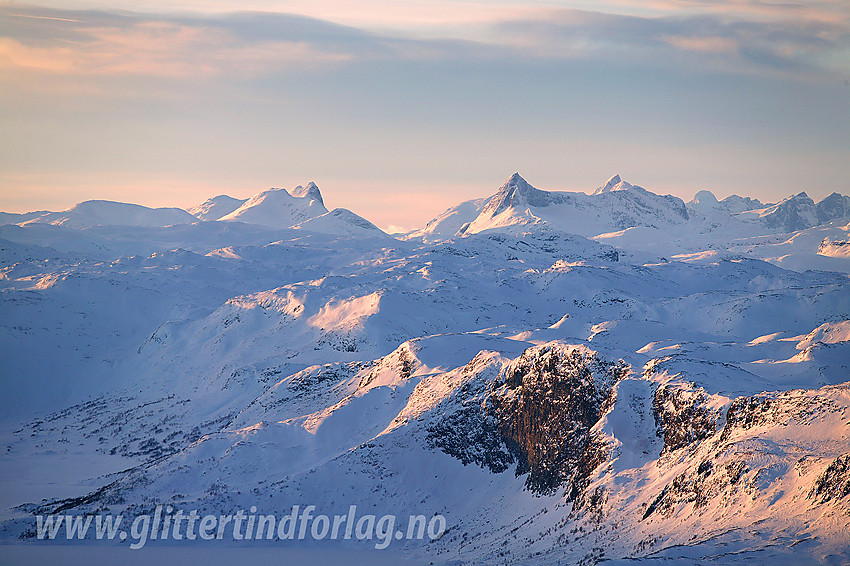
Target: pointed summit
column 515, row 185
column 516, row 192
column 613, row 184
column 311, row 192
column 515, row 179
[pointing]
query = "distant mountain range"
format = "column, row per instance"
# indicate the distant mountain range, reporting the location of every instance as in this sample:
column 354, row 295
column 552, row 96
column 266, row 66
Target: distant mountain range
column 618, row 205
column 515, row 207
column 302, row 208
column 564, row 377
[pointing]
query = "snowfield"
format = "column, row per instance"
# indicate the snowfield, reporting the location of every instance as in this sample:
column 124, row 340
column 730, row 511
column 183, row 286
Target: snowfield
column 617, row 377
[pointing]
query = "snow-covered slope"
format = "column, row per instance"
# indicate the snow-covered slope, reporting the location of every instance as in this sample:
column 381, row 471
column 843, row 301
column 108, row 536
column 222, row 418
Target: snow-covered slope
column 341, row 221
column 16, row 218
column 556, row 398
column 301, row 209
column 215, row 207
column 109, row 213
column 450, row 222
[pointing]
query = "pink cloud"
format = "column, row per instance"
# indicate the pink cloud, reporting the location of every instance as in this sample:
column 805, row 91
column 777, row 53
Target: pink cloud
column 162, row 49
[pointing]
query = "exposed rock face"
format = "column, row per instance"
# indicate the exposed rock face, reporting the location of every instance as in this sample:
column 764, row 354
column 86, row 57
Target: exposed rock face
column 793, row 213
column 697, row 485
column 539, row 413
column 834, row 482
column 682, row 415
column 833, row 207
column 517, row 192
column 721, row 470
column 546, row 407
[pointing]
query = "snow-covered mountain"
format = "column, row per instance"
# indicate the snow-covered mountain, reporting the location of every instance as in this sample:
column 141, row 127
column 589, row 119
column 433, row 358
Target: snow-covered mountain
column 341, row 221
column 517, row 207
column 15, row 217
column 215, row 207
column 277, row 208
column 106, row 213
column 704, row 202
column 621, row 210
column 833, row 207
column 450, row 222
column 557, row 398
column 302, row 208
column 800, row 212
column 614, row 206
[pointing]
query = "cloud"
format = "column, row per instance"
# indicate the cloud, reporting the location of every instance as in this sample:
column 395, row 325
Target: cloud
column 827, row 11
column 792, row 47
column 722, row 35
column 706, row 44
column 153, row 47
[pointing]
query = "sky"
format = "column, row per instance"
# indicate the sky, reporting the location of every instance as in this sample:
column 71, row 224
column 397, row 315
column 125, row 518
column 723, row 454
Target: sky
column 400, row 109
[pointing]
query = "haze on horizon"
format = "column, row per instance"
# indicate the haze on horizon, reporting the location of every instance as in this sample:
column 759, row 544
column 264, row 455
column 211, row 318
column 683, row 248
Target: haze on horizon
column 399, row 110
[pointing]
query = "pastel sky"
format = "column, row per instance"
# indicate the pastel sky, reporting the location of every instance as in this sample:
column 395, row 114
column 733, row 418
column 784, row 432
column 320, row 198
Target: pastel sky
column 399, row 109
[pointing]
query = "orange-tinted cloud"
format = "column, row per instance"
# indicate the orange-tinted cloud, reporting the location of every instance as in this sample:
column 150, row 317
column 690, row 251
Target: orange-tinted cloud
column 163, row 49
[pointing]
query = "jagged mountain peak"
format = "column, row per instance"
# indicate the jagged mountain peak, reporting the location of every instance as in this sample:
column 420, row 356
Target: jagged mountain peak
column 310, row 191
column 515, row 179
column 800, row 195
column 833, row 207
column 796, row 212
column 617, row 206
column 515, row 184
column 614, row 183
column 278, row 208
column 516, row 193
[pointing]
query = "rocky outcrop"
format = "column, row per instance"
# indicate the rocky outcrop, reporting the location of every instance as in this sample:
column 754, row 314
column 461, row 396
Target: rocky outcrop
column 834, row 483
column 538, row 414
column 682, row 415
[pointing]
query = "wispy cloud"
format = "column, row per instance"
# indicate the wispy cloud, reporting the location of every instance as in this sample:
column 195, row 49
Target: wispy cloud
column 153, row 47
column 720, row 35
column 804, row 46
column 828, row 11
